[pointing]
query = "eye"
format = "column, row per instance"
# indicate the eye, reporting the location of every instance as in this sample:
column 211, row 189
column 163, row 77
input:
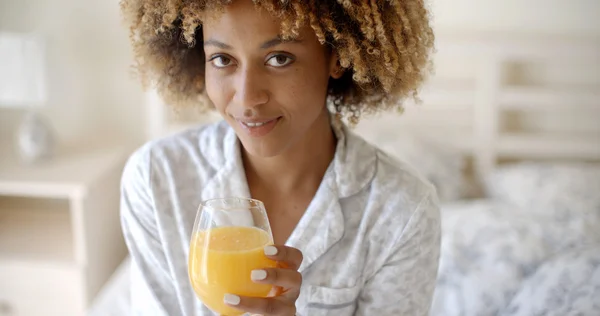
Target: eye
column 280, row 60
column 221, row 61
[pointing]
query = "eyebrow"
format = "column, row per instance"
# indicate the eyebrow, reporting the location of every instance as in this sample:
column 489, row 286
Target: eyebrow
column 268, row 44
column 278, row 40
column 221, row 45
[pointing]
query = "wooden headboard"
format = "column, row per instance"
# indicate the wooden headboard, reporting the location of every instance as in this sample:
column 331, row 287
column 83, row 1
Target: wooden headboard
column 495, row 97
column 499, row 97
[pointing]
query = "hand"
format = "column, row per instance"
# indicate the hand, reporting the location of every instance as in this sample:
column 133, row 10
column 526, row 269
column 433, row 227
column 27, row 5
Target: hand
column 286, row 280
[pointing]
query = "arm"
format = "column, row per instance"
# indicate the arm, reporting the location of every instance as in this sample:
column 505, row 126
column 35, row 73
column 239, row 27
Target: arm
column 405, row 283
column 152, row 289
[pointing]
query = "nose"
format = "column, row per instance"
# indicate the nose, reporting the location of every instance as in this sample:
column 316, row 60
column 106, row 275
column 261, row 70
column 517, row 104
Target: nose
column 250, row 89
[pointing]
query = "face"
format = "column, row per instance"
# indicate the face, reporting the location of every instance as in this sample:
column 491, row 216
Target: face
column 271, row 92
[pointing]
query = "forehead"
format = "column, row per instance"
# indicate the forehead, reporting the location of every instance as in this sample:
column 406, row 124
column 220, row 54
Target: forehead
column 241, row 20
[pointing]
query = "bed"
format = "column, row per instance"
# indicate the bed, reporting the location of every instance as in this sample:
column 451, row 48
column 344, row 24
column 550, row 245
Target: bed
column 508, row 133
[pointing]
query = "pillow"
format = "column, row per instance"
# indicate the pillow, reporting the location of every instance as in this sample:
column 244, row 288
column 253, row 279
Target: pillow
column 569, row 284
column 441, row 165
column 568, row 194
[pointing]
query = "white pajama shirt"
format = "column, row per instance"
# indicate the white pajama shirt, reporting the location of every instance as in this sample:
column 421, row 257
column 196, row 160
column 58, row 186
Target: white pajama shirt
column 370, row 237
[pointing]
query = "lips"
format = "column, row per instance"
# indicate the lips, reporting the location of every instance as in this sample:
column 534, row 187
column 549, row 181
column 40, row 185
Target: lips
column 255, row 124
column 258, row 127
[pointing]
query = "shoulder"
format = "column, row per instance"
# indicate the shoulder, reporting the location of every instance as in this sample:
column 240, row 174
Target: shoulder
column 162, row 170
column 200, row 146
column 400, row 180
column 407, row 194
column 396, row 192
column 388, row 175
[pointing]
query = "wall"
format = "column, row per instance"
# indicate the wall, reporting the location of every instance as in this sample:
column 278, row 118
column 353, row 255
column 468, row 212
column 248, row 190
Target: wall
column 545, row 16
column 91, row 91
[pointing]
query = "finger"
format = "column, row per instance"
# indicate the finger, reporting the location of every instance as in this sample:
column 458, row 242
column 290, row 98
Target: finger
column 276, row 291
column 289, row 280
column 262, row 306
column 291, row 257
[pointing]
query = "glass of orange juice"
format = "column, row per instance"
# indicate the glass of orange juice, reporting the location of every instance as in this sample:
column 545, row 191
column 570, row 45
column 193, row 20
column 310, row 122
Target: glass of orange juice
column 226, row 245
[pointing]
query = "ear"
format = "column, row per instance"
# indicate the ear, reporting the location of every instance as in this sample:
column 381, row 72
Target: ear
column 335, row 69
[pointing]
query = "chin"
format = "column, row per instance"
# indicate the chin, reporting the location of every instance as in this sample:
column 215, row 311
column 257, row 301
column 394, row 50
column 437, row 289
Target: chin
column 262, row 148
column 270, row 145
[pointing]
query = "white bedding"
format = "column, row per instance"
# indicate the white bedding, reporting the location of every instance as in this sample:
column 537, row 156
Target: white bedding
column 492, row 251
column 113, row 299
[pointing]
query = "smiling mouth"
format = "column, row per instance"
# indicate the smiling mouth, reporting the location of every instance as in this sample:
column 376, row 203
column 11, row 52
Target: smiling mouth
column 258, row 124
column 259, row 128
column 250, row 124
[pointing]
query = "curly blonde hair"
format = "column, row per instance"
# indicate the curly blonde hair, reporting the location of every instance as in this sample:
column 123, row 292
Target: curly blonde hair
column 384, row 47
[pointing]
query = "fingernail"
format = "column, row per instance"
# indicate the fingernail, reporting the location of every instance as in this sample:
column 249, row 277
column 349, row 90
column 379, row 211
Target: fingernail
column 258, row 275
column 231, row 299
column 270, row 250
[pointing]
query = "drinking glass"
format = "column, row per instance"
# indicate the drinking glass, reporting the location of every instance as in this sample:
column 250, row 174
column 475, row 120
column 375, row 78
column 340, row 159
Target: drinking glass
column 226, row 245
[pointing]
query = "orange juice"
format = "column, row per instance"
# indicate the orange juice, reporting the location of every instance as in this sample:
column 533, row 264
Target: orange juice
column 221, row 260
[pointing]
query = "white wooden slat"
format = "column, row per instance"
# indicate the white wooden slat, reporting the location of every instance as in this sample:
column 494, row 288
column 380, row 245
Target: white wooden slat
column 548, row 99
column 486, row 116
column 447, row 97
column 549, row 147
column 536, row 47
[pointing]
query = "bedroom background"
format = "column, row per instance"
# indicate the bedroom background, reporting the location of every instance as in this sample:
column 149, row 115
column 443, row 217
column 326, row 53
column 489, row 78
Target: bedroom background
column 508, row 124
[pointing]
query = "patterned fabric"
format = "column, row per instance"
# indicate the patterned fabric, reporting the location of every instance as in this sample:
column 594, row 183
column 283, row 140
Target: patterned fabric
column 486, row 253
column 492, row 251
column 370, row 237
column 564, row 195
column 566, row 285
column 561, row 192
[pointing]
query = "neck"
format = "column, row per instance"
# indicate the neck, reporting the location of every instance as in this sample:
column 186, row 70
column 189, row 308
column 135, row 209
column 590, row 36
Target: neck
column 300, row 167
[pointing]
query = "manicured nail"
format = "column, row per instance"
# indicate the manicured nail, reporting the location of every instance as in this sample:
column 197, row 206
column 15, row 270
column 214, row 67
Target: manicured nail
column 258, row 275
column 231, row 299
column 270, row 250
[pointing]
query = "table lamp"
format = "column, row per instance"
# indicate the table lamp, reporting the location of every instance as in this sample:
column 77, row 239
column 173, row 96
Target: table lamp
column 23, row 86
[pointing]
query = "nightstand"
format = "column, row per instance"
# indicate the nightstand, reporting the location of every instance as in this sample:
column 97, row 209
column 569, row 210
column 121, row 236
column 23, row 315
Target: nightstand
column 60, row 234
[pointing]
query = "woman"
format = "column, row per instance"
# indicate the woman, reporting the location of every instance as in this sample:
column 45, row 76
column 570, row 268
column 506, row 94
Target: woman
column 358, row 231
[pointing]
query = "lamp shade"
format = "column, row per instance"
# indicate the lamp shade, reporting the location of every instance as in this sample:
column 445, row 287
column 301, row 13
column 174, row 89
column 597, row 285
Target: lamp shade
column 22, row 70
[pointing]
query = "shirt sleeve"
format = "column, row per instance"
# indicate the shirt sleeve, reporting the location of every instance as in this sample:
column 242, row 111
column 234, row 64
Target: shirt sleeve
column 152, row 288
column 405, row 283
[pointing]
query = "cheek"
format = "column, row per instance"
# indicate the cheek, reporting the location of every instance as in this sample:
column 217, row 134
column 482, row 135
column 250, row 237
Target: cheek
column 306, row 91
column 216, row 89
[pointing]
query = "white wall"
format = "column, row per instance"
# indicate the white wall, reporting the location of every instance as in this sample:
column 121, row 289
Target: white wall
column 92, row 92
column 545, row 16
